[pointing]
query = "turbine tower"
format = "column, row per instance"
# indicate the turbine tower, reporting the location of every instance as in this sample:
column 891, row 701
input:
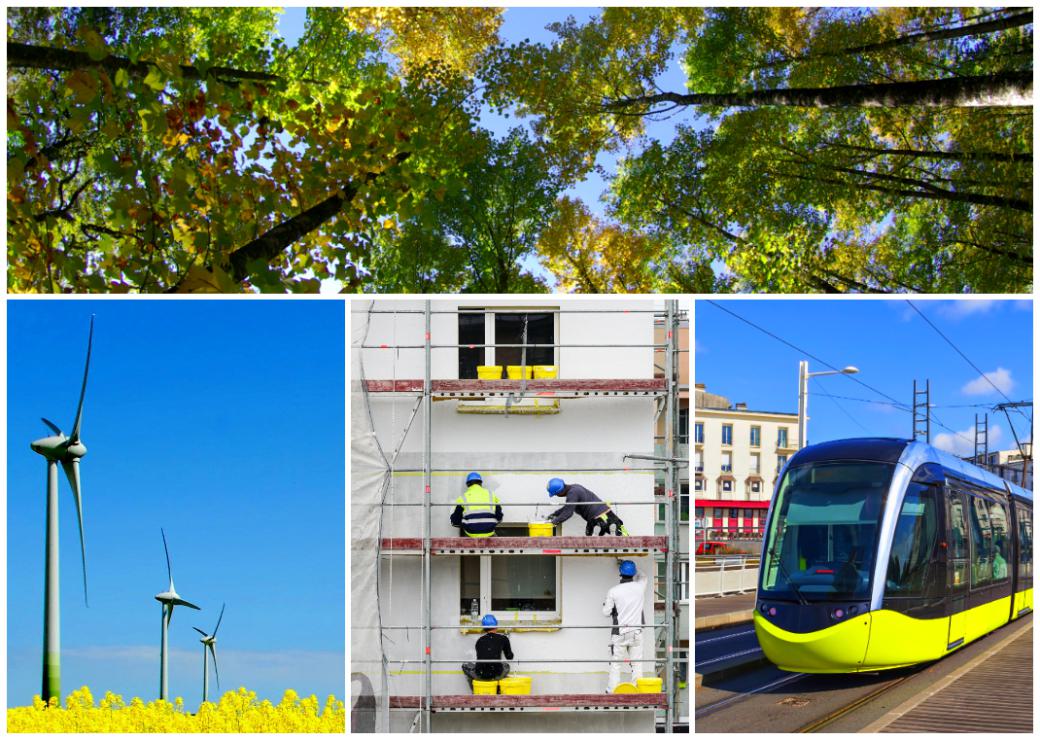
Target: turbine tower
column 168, row 599
column 67, row 451
column 210, row 642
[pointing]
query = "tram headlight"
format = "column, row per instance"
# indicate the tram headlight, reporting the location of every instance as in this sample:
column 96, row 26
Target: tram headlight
column 838, row 613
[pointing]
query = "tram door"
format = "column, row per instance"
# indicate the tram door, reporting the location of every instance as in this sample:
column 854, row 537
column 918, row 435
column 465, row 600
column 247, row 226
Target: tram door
column 957, row 562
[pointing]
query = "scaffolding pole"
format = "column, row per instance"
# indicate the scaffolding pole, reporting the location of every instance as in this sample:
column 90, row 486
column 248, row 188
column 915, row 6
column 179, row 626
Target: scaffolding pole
column 669, row 523
column 427, row 527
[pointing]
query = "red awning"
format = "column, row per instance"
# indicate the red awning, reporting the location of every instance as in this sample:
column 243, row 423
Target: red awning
column 726, row 504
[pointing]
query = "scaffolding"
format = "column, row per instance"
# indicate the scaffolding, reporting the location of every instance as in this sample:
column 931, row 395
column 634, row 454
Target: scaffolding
column 665, row 550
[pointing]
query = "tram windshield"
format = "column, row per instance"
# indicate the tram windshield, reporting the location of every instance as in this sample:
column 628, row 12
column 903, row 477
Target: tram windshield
column 823, row 536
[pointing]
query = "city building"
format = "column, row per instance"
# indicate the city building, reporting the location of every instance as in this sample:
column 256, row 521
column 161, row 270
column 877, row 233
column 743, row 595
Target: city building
column 738, row 453
column 424, row 414
column 1008, row 464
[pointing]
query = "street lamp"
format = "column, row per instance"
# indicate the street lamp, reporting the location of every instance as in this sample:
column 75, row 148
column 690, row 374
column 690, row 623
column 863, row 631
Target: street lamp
column 803, row 393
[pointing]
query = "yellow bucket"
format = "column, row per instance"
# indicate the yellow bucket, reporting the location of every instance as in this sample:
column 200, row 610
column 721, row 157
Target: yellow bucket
column 485, row 687
column 649, row 685
column 489, row 372
column 545, row 371
column 514, row 371
column 516, row 685
column 626, row 688
column 540, row 529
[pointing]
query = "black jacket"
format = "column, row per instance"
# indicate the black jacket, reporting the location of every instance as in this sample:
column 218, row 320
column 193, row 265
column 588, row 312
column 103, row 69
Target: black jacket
column 491, row 646
column 581, row 500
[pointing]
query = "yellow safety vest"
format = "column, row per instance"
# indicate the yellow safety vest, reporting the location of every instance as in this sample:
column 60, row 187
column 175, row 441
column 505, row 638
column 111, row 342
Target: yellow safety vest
column 478, row 511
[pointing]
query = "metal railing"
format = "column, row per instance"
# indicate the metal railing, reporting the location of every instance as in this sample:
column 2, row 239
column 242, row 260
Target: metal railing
column 725, row 574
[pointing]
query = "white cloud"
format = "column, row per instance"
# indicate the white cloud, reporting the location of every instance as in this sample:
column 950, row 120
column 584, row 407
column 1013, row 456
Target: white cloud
column 962, row 444
column 959, row 309
column 1001, row 378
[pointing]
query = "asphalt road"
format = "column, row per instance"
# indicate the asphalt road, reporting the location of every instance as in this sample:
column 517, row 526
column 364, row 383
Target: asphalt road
column 770, row 700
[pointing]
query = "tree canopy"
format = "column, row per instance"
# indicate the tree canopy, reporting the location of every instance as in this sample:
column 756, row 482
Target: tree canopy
column 810, row 149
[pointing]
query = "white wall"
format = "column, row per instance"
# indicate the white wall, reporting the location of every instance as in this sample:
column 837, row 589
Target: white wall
column 517, row 454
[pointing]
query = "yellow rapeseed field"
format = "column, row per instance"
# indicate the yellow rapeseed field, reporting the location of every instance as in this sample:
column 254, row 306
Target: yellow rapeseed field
column 237, row 711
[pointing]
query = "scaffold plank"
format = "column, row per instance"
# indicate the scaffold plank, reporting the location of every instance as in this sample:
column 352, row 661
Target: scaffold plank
column 514, row 702
column 608, row 545
column 544, row 387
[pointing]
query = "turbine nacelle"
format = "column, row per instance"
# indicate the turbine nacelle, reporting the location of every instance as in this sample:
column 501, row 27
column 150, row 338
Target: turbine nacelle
column 59, row 448
column 171, row 597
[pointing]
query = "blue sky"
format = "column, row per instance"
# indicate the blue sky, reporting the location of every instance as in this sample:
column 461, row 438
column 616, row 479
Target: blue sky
column 221, row 421
column 890, row 344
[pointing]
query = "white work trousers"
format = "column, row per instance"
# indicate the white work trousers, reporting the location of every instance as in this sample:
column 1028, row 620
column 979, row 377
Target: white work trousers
column 628, row 648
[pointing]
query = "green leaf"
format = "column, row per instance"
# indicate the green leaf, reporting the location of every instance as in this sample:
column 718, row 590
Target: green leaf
column 155, row 80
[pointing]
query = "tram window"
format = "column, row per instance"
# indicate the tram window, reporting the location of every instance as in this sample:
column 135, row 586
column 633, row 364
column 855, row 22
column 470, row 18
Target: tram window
column 1025, row 543
column 913, row 544
column 958, row 542
column 982, row 543
column 1001, row 542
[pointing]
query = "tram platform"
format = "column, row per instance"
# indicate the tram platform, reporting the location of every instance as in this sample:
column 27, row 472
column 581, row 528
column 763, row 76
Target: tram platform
column 1002, row 675
column 712, row 612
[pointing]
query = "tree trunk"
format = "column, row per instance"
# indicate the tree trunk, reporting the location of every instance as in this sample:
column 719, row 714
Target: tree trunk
column 975, row 29
column 273, row 242
column 934, row 154
column 999, row 89
column 28, row 56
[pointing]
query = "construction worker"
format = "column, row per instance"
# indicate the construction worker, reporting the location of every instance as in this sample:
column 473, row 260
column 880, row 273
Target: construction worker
column 477, row 511
column 624, row 603
column 588, row 505
column 490, row 646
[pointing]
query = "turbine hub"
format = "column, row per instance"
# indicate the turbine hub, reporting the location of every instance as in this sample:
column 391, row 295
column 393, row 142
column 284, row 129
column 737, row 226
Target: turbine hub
column 76, row 450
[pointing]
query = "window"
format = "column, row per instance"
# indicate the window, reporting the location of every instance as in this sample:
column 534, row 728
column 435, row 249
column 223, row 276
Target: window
column 734, row 513
column 698, row 432
column 471, row 331
column 756, row 436
column 540, row 330
column 1025, row 542
column 698, row 484
column 756, row 463
column 684, row 502
column 781, row 437
column 698, row 459
column 508, row 328
column 698, row 512
column 727, row 486
column 684, row 426
column 727, row 434
column 982, row 542
column 958, row 541
column 781, row 461
column 727, row 462
column 1001, row 546
column 509, row 583
column 756, row 486
column 911, row 562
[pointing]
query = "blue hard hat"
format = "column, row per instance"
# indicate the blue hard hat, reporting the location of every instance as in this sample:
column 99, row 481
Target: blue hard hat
column 489, row 620
column 473, row 478
column 555, row 486
column 627, row 568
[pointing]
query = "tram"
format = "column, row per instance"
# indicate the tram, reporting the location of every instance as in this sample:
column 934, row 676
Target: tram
column 883, row 553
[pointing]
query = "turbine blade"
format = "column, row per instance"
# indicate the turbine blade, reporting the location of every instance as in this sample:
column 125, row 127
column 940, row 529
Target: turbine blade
column 213, row 652
column 169, row 569
column 219, row 618
column 182, row 602
column 53, row 426
column 83, row 391
column 71, row 468
column 200, row 631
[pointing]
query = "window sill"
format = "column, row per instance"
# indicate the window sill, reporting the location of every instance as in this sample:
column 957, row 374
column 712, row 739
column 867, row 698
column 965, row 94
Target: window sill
column 516, row 622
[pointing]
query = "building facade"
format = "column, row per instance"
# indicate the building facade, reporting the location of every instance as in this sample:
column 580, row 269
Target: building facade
column 1009, row 464
column 738, row 454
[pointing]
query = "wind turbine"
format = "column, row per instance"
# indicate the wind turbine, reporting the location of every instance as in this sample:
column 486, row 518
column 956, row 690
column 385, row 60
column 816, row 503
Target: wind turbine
column 209, row 641
column 169, row 599
column 65, row 450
